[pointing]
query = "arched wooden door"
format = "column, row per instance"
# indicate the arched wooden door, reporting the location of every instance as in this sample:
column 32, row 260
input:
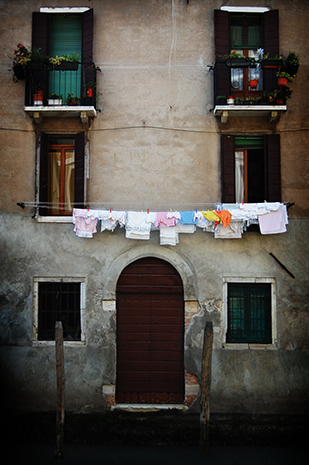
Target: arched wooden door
column 150, row 333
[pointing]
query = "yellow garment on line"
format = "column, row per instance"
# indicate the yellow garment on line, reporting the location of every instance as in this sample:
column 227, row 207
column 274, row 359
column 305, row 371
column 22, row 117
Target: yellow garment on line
column 211, row 216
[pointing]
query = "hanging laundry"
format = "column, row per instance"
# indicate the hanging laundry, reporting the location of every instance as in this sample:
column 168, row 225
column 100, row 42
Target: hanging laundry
column 188, row 218
column 164, row 221
column 185, row 228
column 211, row 216
column 168, row 236
column 85, row 222
column 224, row 216
column 274, row 222
column 233, row 231
column 138, row 225
column 173, row 215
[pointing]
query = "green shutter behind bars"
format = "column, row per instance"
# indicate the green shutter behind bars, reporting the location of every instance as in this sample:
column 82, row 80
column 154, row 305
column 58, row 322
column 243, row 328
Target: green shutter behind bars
column 249, row 313
column 65, row 38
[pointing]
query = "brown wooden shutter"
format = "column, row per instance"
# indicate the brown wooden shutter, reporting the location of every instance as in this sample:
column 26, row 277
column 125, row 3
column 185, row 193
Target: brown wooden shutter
column 43, row 177
column 271, row 46
column 228, row 168
column 271, row 33
column 80, row 169
column 87, row 39
column 40, row 32
column 222, row 47
column 273, row 168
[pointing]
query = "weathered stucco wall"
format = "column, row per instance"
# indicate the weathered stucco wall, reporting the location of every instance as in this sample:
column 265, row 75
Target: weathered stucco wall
column 155, row 144
column 154, row 61
column 261, row 380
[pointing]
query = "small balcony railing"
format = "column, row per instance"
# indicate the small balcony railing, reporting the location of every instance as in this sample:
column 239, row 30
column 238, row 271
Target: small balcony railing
column 247, row 89
column 69, row 84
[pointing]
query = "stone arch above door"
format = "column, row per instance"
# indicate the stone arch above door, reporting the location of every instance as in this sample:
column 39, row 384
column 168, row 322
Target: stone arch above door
column 184, row 268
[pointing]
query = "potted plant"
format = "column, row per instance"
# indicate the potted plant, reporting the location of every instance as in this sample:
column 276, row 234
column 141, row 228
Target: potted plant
column 292, row 63
column 55, row 99
column 65, row 62
column 71, row 100
column 38, row 95
column 239, row 101
column 21, row 56
column 36, row 59
column 230, row 100
column 221, row 100
column 283, row 78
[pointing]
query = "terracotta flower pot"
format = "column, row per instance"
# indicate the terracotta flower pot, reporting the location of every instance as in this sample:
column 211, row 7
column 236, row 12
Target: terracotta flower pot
column 89, row 93
column 282, row 81
column 254, row 83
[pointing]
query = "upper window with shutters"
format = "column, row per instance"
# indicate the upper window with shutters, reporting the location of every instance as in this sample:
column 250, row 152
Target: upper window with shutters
column 61, row 175
column 62, row 36
column 242, row 34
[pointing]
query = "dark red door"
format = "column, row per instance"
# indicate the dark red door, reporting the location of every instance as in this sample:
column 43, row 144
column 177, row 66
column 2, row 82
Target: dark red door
column 150, row 333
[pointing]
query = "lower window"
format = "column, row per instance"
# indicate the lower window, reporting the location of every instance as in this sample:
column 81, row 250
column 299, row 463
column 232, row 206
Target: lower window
column 250, row 313
column 58, row 300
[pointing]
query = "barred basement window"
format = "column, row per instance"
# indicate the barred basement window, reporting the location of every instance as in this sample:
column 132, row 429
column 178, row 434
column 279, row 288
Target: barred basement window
column 58, row 300
column 249, row 313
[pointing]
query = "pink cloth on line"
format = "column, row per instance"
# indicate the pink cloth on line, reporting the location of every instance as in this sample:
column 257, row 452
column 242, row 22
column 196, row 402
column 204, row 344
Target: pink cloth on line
column 273, row 222
column 163, row 221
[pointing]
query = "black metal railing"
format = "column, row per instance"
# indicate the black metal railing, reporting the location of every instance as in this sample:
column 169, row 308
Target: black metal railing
column 70, row 83
column 226, row 82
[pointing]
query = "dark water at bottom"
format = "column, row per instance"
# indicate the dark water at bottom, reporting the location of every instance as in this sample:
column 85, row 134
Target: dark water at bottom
column 74, row 454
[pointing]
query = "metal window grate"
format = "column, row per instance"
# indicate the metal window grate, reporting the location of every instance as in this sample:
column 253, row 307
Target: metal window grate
column 59, row 302
column 249, row 313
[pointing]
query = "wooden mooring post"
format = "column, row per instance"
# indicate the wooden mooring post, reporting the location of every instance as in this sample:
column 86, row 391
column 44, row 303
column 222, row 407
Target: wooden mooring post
column 60, row 390
column 205, row 387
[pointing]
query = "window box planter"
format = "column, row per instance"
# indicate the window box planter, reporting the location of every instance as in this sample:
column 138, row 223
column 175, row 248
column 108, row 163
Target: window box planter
column 221, row 101
column 54, row 101
column 238, row 63
column 271, row 63
column 68, row 65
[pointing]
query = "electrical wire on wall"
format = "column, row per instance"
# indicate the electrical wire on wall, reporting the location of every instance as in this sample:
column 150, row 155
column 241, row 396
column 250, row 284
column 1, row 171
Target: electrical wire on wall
column 173, row 50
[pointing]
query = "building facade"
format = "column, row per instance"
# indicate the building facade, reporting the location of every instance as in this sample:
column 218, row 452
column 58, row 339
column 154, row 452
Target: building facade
column 155, row 186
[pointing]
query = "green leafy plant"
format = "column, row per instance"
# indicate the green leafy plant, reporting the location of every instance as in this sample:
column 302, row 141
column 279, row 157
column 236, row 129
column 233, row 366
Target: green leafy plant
column 283, row 74
column 57, row 60
column 71, row 100
column 292, row 59
column 55, row 97
column 36, row 55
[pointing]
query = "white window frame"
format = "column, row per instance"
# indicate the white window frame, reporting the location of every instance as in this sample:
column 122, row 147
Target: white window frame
column 232, row 345
column 35, row 326
column 245, row 9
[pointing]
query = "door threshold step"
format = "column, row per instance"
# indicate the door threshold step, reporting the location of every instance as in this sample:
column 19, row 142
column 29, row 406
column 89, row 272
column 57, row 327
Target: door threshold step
column 148, row 407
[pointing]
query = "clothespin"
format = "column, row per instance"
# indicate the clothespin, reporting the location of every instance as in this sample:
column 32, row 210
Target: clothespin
column 110, row 210
column 147, row 211
column 170, row 210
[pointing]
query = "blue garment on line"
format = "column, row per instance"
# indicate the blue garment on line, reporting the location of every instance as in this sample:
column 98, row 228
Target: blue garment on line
column 187, row 218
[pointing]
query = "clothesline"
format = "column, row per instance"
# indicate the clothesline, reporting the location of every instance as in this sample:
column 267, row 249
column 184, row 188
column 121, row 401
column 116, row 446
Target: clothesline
column 226, row 221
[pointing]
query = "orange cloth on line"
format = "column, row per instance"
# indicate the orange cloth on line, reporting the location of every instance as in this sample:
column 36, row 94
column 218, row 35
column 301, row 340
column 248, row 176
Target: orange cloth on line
column 224, row 216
